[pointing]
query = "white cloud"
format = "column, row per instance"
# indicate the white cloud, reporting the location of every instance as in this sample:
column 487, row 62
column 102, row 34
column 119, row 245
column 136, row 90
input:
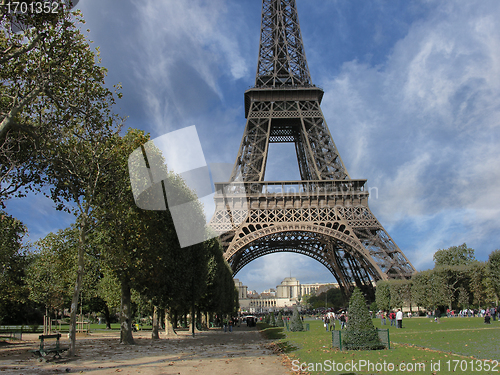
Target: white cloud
column 189, row 40
column 424, row 127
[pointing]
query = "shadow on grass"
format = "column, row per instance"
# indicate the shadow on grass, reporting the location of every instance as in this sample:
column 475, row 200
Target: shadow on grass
column 286, row 347
column 276, row 333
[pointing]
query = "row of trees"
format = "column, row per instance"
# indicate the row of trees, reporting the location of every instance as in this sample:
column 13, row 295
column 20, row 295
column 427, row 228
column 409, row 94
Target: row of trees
column 457, row 281
column 332, row 298
column 59, row 136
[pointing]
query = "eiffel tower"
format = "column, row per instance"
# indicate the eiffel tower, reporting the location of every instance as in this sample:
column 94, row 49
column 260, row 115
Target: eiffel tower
column 325, row 215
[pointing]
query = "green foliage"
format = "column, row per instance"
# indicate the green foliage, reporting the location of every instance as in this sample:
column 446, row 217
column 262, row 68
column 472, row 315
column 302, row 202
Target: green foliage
column 333, row 298
column 51, row 87
column 218, row 298
column 279, row 321
column 272, row 319
column 13, row 262
column 457, row 281
column 454, row 256
column 109, row 289
column 267, row 319
column 494, row 271
column 296, row 322
column 383, row 296
column 361, row 333
column 400, row 291
column 53, row 270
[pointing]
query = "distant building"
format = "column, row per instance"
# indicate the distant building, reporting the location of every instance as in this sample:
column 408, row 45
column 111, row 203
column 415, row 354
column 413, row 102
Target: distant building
column 242, row 290
column 285, row 296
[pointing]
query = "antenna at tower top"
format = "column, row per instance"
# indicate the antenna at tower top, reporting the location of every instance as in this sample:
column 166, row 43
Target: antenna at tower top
column 282, row 59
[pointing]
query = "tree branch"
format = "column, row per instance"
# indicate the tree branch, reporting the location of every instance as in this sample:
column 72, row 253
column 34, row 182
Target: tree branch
column 6, row 56
column 9, row 121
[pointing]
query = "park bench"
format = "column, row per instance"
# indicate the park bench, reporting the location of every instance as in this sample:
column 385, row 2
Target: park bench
column 11, row 332
column 44, row 350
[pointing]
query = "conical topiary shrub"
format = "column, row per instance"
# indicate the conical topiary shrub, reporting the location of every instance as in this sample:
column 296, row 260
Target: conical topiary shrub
column 280, row 320
column 361, row 333
column 267, row 319
column 296, row 322
column 272, row 320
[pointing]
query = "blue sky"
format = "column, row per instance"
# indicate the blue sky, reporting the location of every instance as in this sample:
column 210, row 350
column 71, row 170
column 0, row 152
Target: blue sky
column 412, row 93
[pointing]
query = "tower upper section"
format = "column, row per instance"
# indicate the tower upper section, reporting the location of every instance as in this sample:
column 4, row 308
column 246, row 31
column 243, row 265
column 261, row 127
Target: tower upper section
column 282, row 60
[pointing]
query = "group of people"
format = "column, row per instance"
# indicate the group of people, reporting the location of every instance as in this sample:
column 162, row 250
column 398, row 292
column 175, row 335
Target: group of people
column 492, row 312
column 396, row 318
column 229, row 323
column 330, row 318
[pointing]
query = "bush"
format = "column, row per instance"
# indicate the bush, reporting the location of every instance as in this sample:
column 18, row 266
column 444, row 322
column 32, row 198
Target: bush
column 272, row 320
column 267, row 318
column 361, row 333
column 296, row 322
column 280, row 320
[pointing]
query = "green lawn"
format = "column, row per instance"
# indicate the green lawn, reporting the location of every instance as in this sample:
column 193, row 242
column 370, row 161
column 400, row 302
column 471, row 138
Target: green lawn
column 460, row 344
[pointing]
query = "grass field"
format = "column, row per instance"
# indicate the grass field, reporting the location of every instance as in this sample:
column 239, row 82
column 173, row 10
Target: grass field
column 455, row 346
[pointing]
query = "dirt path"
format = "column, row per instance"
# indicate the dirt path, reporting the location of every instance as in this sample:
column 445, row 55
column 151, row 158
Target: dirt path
column 242, row 351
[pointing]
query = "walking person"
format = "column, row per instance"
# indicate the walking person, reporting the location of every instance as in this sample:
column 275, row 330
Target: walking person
column 342, row 321
column 382, row 318
column 332, row 322
column 399, row 319
column 392, row 318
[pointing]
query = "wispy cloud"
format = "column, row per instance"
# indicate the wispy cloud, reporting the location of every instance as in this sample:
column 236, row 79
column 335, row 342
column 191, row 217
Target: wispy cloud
column 184, row 47
column 424, row 127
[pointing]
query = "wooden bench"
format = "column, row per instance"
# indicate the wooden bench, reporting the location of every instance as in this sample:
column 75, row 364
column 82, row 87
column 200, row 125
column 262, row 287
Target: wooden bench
column 43, row 351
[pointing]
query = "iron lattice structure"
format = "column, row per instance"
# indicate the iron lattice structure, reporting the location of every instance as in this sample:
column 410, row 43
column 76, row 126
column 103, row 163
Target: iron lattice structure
column 325, row 215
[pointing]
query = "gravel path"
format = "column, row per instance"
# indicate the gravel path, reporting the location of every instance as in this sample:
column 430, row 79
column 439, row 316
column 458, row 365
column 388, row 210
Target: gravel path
column 242, row 351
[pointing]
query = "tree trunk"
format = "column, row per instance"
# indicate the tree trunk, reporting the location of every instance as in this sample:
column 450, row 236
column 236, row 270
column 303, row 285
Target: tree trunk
column 156, row 321
column 204, row 320
column 76, row 290
column 192, row 320
column 169, row 330
column 107, row 317
column 175, row 319
column 125, row 316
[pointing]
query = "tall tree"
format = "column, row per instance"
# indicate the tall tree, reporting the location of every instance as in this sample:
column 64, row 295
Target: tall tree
column 42, row 83
column 53, row 90
column 141, row 247
column 494, row 271
column 76, row 161
column 454, row 256
column 383, row 296
column 452, row 278
column 400, row 292
column 13, row 262
column 477, row 275
column 420, row 288
column 53, row 269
